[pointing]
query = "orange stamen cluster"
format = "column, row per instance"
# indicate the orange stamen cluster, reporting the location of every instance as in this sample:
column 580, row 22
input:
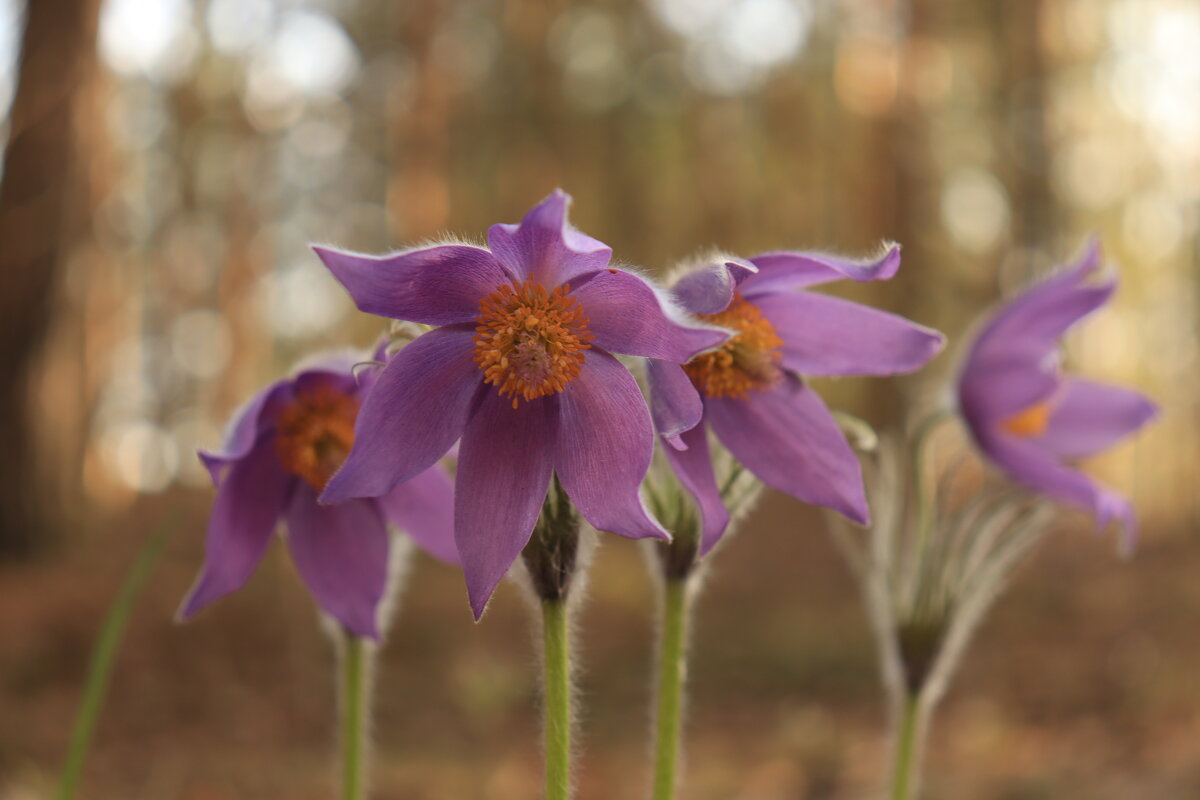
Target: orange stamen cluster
column 315, row 433
column 530, row 342
column 1030, row 423
column 749, row 360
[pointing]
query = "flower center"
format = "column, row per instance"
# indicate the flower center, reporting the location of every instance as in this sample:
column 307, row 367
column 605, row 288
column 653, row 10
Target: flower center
column 1030, row 423
column 530, row 342
column 314, row 434
column 749, row 360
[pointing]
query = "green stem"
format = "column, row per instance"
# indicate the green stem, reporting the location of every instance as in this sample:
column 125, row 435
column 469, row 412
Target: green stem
column 904, row 769
column 354, row 665
column 556, row 653
column 103, row 655
column 672, row 668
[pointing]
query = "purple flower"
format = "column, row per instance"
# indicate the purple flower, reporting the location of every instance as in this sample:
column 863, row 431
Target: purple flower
column 520, row 369
column 283, row 447
column 1026, row 416
column 750, row 390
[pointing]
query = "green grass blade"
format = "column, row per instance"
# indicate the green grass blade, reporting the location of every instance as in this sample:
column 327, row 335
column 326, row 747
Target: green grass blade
column 103, row 656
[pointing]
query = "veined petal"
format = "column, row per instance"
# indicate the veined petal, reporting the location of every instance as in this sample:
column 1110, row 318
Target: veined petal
column 546, row 247
column 675, row 405
column 694, row 468
column 1091, row 417
column 250, row 421
column 825, row 335
column 605, row 444
column 424, row 509
column 787, row 437
column 504, row 467
column 415, row 412
column 438, row 285
column 250, row 499
column 626, row 316
column 796, row 270
column 710, row 289
column 341, row 553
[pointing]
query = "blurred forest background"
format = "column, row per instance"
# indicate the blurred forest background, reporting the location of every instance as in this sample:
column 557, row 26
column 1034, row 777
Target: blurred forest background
column 168, row 162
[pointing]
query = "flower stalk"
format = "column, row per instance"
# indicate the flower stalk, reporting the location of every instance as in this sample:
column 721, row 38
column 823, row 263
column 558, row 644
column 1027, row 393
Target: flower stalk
column 556, row 649
column 908, row 738
column 355, row 689
column 672, row 670
column 550, row 560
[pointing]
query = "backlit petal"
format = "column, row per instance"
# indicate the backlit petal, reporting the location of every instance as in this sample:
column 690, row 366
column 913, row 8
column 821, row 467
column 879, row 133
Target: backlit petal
column 694, row 468
column 675, row 405
column 424, row 509
column 604, row 448
column 546, row 247
column 1092, row 417
column 341, row 553
column 411, row 417
column 795, row 270
column 825, row 335
column 787, row 437
column 432, row 285
column 504, row 466
column 250, row 500
column 627, row 316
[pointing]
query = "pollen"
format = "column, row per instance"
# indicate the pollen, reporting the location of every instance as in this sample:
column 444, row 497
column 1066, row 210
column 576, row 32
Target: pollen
column 314, row 434
column 1030, row 423
column 529, row 342
column 748, row 361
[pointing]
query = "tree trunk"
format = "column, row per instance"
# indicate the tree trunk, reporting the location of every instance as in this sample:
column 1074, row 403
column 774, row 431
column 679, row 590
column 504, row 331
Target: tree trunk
column 42, row 197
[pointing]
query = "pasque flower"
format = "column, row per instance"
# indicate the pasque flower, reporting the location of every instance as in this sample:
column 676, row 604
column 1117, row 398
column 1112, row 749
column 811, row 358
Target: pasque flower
column 1030, row 419
column 750, row 390
column 520, row 368
column 282, row 449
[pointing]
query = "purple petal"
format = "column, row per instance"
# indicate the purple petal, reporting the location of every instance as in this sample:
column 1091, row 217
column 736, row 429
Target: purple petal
column 1025, row 462
column 1092, row 417
column 675, row 405
column 627, row 316
column 604, row 447
column 504, row 467
column 432, row 285
column 825, row 335
column 795, row 270
column 342, row 381
column 710, row 289
column 693, row 465
column 250, row 499
column 415, row 412
column 341, row 553
column 787, row 437
column 1011, row 364
column 546, row 247
column 424, row 509
column 249, row 422
column 1031, row 324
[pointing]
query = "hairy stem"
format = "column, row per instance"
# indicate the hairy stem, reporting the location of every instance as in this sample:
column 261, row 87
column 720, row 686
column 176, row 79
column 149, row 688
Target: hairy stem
column 672, row 670
column 355, row 691
column 557, row 701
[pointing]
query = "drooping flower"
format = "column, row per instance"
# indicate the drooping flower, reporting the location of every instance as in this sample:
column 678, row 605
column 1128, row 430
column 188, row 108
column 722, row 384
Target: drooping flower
column 283, row 447
column 1026, row 416
column 750, row 390
column 518, row 367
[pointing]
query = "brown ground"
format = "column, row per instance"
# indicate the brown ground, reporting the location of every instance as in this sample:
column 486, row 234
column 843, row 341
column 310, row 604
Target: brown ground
column 1083, row 683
